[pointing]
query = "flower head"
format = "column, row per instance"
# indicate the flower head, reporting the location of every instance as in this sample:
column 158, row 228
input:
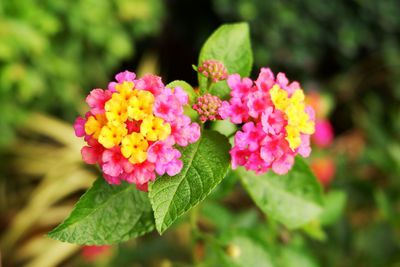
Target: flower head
column 207, row 107
column 132, row 128
column 323, row 136
column 214, row 70
column 277, row 122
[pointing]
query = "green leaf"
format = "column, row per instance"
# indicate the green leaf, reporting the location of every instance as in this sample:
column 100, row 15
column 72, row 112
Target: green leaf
column 335, row 202
column 205, row 163
column 229, row 44
column 225, row 187
column 223, row 218
column 107, row 214
column 297, row 257
column 186, row 87
column 245, row 248
column 293, row 199
column 314, row 230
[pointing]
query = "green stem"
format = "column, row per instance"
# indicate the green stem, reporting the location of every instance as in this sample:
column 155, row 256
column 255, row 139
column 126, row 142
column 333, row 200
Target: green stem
column 209, row 83
column 194, row 212
column 274, row 229
column 194, row 230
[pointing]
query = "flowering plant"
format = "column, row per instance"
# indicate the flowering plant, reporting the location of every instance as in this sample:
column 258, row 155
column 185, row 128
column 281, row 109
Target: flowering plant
column 157, row 164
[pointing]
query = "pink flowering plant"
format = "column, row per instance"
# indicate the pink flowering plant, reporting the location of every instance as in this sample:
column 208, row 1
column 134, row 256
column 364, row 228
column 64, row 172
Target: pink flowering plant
column 162, row 149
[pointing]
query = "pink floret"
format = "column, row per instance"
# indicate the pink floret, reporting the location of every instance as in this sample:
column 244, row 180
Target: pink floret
column 323, row 135
column 79, row 127
column 121, row 77
column 96, row 99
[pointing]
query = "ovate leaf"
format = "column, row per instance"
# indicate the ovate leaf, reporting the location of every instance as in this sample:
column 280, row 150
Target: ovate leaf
column 293, row 199
column 107, row 214
column 205, row 163
column 229, row 44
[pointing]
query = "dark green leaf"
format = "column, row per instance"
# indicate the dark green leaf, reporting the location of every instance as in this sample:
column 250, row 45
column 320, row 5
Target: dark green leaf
column 293, row 199
column 335, row 202
column 205, row 163
column 229, row 44
column 107, row 214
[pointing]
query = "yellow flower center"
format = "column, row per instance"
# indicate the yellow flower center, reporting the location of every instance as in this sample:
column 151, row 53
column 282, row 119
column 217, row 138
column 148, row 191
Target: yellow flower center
column 128, row 105
column 294, row 109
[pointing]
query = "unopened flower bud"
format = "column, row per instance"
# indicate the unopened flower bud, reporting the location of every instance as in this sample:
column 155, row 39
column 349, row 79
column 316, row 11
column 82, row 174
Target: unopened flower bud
column 233, row 251
column 214, row 70
column 207, row 106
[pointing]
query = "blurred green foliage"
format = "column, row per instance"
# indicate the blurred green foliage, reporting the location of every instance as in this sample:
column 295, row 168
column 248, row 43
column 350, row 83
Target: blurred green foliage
column 53, row 52
column 303, row 36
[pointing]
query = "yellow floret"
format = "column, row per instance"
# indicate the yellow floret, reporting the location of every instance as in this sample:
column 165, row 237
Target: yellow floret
column 154, row 128
column 94, row 125
column 293, row 137
column 279, row 97
column 116, row 109
column 307, row 127
column 126, row 90
column 297, row 96
column 134, row 147
column 141, row 106
column 294, row 108
column 111, row 135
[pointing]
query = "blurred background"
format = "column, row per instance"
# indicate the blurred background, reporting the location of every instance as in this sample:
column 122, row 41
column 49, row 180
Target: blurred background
column 345, row 54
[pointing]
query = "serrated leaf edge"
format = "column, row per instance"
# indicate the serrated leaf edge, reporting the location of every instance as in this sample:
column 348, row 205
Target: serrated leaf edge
column 59, row 237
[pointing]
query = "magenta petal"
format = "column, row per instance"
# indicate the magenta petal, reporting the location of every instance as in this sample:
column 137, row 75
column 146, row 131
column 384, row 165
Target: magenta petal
column 283, row 164
column 79, row 127
column 234, row 81
column 125, row 76
column 174, row 167
column 281, row 79
column 194, row 132
column 181, row 95
column 112, row 179
column 90, row 155
column 112, row 169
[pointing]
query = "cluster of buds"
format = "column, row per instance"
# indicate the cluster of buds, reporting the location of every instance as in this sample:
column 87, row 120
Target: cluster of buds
column 214, row 70
column 207, row 106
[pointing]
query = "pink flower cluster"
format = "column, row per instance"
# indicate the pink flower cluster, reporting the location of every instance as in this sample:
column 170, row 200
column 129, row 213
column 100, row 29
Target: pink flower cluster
column 207, row 106
column 161, row 156
column 323, row 136
column 265, row 140
column 213, row 69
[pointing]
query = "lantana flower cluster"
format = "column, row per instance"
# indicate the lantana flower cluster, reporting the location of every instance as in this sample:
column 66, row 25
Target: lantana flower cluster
column 214, row 70
column 277, row 123
column 132, row 128
column 207, row 107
